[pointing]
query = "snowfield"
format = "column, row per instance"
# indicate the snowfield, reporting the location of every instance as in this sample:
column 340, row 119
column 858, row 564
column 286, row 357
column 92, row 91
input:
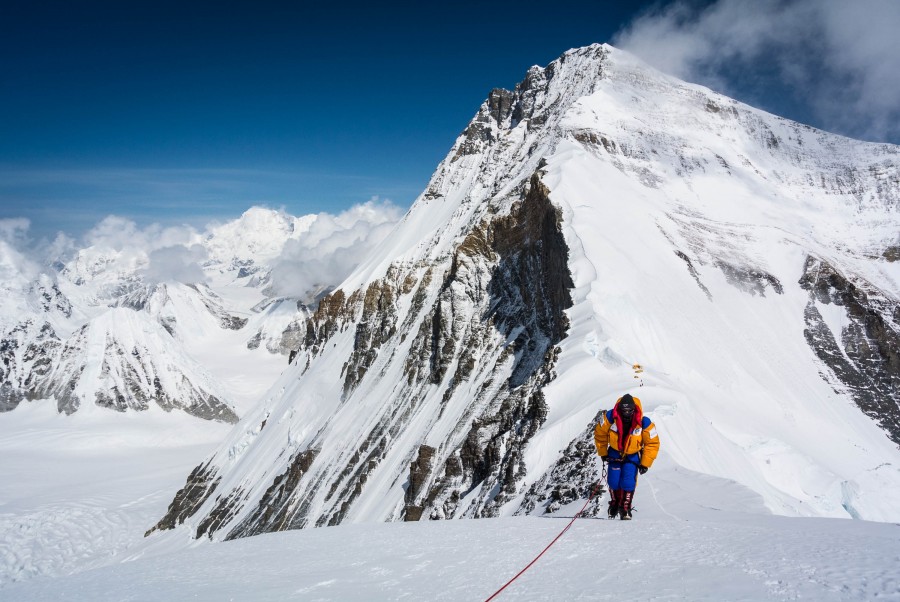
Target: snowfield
column 694, row 538
column 77, row 491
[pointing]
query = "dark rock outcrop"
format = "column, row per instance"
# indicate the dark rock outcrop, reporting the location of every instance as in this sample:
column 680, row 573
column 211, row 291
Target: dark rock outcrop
column 274, row 511
column 892, row 253
column 694, row 274
column 27, row 355
column 527, row 295
column 418, row 472
column 575, row 475
column 865, row 356
column 200, row 485
column 749, row 280
column 495, row 315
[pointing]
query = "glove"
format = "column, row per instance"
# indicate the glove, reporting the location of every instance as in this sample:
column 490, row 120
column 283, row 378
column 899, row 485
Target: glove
column 642, row 469
column 604, row 459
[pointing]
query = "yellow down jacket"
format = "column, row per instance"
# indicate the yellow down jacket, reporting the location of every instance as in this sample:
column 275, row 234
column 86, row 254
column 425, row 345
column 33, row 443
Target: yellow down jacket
column 641, row 438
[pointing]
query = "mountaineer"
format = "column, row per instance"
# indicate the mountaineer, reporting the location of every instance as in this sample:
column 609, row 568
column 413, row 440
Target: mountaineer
column 628, row 441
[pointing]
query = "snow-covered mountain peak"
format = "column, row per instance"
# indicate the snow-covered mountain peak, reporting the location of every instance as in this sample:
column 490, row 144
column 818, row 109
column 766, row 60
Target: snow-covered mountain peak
column 490, row 162
column 258, row 235
column 600, row 215
column 662, row 132
column 125, row 360
column 63, row 327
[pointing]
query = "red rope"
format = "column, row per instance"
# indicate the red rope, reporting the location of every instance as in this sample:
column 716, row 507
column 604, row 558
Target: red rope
column 561, row 533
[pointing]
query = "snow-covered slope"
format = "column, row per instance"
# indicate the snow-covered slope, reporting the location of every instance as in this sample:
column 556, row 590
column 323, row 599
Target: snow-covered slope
column 79, row 490
column 683, row 545
column 72, row 518
column 124, row 360
column 600, row 216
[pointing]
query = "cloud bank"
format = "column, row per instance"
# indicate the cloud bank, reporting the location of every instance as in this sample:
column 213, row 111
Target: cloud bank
column 15, row 264
column 178, row 263
column 319, row 251
column 331, row 248
column 840, row 59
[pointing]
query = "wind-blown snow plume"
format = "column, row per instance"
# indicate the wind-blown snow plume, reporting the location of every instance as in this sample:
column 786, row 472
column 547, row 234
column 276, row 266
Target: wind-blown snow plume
column 332, row 247
column 839, row 58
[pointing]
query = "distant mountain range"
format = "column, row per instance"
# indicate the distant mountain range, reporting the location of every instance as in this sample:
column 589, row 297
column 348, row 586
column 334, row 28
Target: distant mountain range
column 103, row 327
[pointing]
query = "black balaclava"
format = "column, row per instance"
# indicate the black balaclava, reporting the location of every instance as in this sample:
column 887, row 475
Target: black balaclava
column 626, row 408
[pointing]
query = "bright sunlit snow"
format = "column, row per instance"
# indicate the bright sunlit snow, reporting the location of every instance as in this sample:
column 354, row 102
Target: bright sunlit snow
column 693, row 538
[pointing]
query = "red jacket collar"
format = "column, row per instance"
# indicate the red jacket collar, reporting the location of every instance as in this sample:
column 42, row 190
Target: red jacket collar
column 624, row 433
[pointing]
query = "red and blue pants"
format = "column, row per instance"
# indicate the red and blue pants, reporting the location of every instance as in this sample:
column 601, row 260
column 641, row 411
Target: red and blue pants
column 623, row 471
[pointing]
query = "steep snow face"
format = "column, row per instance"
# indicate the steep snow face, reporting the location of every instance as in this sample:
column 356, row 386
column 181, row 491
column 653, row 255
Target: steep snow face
column 486, row 169
column 125, row 360
column 600, row 216
column 710, row 244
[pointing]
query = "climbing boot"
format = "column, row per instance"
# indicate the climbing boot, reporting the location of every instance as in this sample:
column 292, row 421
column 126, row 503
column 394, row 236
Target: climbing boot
column 614, row 496
column 625, row 504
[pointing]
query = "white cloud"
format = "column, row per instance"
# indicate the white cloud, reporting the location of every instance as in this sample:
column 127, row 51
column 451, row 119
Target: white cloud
column 122, row 234
column 14, row 230
column 179, row 263
column 161, row 254
column 840, row 59
column 60, row 247
column 332, row 247
column 14, row 262
column 315, row 259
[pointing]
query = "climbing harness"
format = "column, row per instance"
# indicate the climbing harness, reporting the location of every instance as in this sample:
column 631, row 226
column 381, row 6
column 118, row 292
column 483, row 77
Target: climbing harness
column 555, row 539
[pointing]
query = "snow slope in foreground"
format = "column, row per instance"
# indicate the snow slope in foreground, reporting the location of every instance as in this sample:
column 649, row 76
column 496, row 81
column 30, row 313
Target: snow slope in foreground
column 79, row 491
column 725, row 548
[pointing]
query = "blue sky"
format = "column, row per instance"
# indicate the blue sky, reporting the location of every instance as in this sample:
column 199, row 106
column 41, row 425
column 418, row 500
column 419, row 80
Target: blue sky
column 191, row 111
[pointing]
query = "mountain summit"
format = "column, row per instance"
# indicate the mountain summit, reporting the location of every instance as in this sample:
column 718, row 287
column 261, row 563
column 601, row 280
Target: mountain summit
column 601, row 229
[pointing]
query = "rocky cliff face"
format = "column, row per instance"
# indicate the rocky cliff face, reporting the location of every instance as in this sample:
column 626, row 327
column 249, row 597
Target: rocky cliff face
column 26, row 353
column 121, row 361
column 599, row 215
column 478, row 338
column 863, row 355
column 462, row 331
column 126, row 358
